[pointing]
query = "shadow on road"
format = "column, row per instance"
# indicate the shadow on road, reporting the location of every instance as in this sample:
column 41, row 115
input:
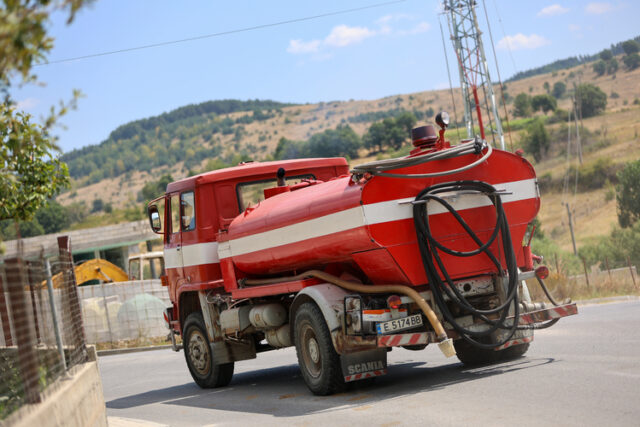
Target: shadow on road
column 281, row 391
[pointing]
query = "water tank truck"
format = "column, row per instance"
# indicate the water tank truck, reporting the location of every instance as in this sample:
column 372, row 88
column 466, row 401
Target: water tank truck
column 346, row 264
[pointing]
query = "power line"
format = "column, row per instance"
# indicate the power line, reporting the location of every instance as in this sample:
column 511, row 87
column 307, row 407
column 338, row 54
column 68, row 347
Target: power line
column 222, row 33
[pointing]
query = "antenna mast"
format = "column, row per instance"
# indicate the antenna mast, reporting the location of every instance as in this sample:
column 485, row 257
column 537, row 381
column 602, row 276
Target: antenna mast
column 477, row 89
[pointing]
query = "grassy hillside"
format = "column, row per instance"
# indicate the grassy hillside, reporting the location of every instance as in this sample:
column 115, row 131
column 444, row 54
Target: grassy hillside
column 184, row 140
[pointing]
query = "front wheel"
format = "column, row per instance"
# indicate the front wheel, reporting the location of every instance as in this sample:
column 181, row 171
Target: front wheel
column 197, row 351
column 318, row 360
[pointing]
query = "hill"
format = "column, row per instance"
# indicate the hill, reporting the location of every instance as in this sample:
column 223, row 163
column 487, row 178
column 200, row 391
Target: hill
column 185, row 140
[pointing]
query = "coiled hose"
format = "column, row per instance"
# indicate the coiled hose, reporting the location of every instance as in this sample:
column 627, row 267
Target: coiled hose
column 380, row 167
column 429, row 248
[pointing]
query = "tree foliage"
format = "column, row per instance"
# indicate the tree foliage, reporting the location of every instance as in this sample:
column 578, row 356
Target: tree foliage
column 153, row 189
column 544, row 103
column 632, row 61
column 522, row 105
column 342, row 141
column 631, row 47
column 591, row 99
column 559, row 89
column 600, row 67
column 536, row 139
column 30, row 171
column 390, row 132
column 628, row 194
column 606, row 55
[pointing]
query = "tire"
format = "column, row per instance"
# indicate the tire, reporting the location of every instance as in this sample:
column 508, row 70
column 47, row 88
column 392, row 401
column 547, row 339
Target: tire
column 319, row 363
column 198, row 354
column 471, row 355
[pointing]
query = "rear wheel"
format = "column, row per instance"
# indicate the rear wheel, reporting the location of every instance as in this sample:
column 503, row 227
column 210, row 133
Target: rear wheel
column 197, row 352
column 471, row 355
column 318, row 360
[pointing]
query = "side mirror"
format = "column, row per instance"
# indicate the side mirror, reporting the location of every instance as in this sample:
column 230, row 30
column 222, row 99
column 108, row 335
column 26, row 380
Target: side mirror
column 154, row 219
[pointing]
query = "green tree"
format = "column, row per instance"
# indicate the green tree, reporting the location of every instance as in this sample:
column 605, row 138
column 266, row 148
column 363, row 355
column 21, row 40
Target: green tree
column 600, row 67
column 342, row 141
column 632, row 61
column 153, row 189
column 288, row 149
column 544, row 103
column 97, row 205
column 559, row 89
column 27, row 229
column 375, row 138
column 407, row 121
column 53, row 217
column 536, row 139
column 30, row 171
column 630, row 47
column 606, row 55
column 522, row 105
column 612, row 66
column 628, row 194
column 546, row 87
column 591, row 99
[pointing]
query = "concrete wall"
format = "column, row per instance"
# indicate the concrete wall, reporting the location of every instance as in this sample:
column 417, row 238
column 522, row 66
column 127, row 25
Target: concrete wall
column 74, row 402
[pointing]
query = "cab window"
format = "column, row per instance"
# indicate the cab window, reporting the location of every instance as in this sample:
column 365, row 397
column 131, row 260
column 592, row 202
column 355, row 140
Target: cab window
column 252, row 193
column 188, row 214
column 175, row 214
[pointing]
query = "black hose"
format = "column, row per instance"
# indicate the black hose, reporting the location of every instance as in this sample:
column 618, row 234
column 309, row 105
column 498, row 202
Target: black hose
column 429, row 248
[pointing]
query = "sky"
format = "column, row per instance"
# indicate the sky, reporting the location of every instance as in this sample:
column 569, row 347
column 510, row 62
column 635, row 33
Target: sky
column 393, row 48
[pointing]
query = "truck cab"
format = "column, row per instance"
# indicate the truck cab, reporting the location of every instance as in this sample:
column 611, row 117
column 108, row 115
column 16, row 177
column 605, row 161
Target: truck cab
column 196, row 211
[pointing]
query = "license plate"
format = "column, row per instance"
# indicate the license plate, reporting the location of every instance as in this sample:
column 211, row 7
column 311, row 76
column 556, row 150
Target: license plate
column 399, row 324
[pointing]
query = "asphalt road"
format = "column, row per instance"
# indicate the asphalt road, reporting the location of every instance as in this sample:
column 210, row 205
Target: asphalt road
column 583, row 371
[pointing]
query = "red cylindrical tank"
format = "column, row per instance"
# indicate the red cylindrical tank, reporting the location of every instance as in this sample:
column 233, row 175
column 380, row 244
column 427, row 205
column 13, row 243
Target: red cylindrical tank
column 370, row 223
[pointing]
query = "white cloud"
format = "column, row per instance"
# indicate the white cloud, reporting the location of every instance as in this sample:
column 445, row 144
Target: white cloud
column 598, row 8
column 298, row 46
column 27, row 104
column 422, row 27
column 343, row 35
column 574, row 27
column 553, row 10
column 520, row 42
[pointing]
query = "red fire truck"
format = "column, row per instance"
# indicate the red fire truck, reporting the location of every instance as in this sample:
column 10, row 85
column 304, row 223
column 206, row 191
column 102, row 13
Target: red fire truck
column 347, row 264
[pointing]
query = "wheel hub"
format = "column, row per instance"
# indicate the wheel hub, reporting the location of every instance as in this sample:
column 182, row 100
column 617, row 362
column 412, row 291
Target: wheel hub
column 199, row 353
column 314, row 352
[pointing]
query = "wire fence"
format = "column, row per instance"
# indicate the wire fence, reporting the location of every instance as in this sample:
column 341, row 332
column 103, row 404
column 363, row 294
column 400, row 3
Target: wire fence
column 42, row 336
column 125, row 314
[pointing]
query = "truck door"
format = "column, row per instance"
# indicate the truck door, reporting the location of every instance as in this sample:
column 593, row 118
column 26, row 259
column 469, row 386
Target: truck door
column 173, row 241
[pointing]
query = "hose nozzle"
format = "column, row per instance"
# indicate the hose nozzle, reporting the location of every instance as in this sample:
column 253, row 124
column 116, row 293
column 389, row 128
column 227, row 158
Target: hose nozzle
column 447, row 348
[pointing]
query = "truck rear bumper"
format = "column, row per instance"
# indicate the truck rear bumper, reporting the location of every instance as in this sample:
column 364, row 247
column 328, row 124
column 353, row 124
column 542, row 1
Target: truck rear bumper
column 530, row 318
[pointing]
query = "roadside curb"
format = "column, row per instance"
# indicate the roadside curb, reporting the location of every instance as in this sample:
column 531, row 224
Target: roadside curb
column 131, row 422
column 608, row 299
column 114, row 351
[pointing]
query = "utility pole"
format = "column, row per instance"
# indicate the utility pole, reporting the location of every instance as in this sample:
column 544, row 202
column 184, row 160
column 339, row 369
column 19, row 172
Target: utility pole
column 475, row 82
column 573, row 237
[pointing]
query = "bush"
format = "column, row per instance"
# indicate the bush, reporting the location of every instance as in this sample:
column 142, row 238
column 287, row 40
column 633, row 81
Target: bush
column 522, row 105
column 559, row 89
column 591, row 99
column 628, row 197
column 600, row 67
column 632, row 61
column 536, row 139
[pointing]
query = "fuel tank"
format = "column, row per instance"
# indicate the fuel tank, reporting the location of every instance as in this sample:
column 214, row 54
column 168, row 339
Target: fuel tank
column 368, row 223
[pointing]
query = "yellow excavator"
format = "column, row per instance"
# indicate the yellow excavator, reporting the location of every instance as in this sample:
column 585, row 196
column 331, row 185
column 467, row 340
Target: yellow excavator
column 142, row 266
column 94, row 269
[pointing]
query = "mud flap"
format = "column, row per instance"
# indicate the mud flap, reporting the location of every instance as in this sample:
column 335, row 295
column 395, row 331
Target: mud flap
column 364, row 364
